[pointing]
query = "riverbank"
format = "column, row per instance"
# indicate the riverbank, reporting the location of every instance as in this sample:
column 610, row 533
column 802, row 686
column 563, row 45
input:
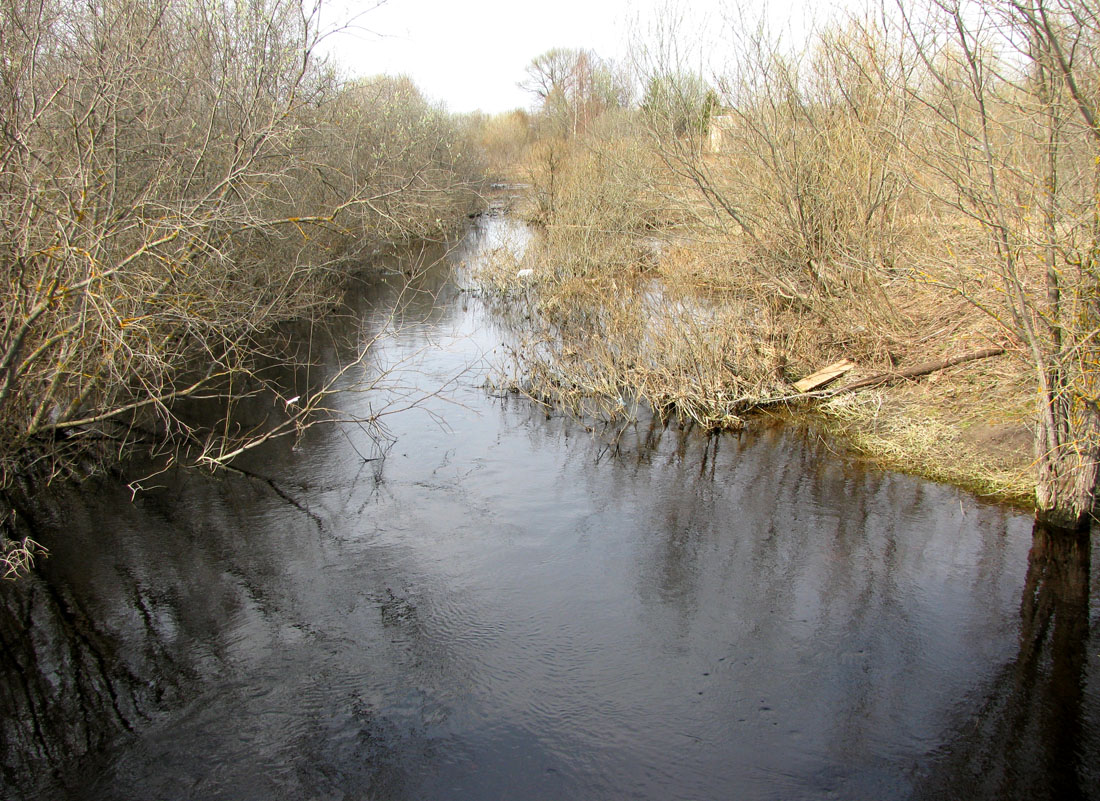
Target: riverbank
column 688, row 327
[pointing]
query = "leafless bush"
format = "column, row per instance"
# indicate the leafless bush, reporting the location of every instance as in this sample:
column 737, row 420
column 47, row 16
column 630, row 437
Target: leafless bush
column 847, row 195
column 801, row 158
column 17, row 553
column 407, row 166
column 796, row 222
column 701, row 271
column 175, row 179
column 502, row 138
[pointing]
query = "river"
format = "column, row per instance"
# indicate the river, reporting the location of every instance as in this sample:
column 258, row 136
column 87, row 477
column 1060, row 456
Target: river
column 495, row 602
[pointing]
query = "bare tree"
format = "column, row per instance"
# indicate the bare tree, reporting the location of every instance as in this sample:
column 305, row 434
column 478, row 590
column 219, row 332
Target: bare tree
column 574, row 87
column 808, row 175
column 1009, row 89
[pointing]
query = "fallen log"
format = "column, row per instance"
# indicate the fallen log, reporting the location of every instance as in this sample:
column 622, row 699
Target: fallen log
column 918, row 370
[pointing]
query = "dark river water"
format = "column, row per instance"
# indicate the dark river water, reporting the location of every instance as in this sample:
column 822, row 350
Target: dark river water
column 507, row 606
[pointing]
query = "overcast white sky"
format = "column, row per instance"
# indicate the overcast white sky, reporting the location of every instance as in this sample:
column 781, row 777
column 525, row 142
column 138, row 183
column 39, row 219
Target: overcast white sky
column 471, row 53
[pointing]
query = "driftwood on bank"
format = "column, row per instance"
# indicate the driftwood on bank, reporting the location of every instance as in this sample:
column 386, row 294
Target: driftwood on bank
column 916, row 371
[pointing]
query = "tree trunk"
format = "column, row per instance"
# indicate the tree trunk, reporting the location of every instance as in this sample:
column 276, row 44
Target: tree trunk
column 1066, row 451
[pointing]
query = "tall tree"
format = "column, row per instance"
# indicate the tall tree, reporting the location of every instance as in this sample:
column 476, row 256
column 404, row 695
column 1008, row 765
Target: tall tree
column 1010, row 88
column 679, row 103
column 573, row 87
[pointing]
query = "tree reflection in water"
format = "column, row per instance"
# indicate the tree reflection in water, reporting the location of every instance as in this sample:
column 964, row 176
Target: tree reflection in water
column 66, row 691
column 1028, row 739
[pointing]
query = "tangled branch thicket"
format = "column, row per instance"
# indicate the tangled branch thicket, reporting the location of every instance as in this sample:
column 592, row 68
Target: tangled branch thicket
column 908, row 185
column 175, row 179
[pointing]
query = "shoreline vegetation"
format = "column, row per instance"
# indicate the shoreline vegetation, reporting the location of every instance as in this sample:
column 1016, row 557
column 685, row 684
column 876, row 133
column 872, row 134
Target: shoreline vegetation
column 178, row 183
column 641, row 342
column 904, row 188
column 900, row 189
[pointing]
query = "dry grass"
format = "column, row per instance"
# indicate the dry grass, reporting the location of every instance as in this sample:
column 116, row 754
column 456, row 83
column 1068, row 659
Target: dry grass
column 703, row 285
column 691, row 326
column 17, row 553
column 951, row 428
column 18, row 557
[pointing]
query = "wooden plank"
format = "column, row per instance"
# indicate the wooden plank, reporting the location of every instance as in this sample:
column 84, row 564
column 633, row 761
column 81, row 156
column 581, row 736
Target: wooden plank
column 825, row 375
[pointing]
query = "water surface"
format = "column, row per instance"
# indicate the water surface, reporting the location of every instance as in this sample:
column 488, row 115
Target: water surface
column 508, row 606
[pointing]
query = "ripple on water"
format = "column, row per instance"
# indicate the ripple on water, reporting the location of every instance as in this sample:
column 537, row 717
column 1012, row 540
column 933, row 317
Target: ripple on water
column 507, row 610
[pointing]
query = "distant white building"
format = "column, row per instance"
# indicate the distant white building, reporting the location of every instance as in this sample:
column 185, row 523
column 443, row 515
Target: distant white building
column 719, row 134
